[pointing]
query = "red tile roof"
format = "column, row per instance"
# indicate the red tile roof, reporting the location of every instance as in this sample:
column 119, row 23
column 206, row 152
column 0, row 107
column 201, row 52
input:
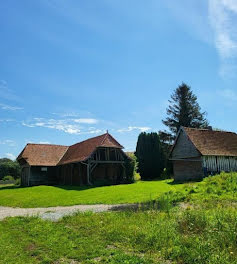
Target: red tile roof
column 81, row 151
column 52, row 155
column 213, row 143
column 42, row 154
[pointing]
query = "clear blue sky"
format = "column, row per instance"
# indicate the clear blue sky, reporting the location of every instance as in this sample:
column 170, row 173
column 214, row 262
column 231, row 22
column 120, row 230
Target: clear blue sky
column 70, row 69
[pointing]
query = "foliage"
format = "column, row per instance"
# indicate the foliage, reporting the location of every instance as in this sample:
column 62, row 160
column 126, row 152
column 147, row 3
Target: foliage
column 150, row 156
column 183, row 110
column 219, row 187
column 9, row 167
column 130, row 166
column 45, row 196
column 8, row 178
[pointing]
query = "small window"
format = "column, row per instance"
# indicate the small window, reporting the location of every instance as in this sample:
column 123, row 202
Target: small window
column 44, row 168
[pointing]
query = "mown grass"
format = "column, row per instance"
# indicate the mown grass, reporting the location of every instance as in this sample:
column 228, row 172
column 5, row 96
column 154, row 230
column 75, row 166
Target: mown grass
column 46, row 196
column 190, row 236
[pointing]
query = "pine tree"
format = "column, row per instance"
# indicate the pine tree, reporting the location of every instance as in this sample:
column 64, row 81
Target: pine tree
column 183, row 110
column 149, row 155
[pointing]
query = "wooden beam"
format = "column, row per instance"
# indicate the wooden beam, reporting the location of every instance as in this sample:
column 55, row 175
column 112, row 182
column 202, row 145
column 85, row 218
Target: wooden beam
column 185, row 160
column 71, row 172
column 94, row 166
column 88, row 172
column 29, row 176
column 107, row 161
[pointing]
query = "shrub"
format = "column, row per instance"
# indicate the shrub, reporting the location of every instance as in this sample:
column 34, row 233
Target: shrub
column 130, row 169
column 150, row 156
column 8, row 178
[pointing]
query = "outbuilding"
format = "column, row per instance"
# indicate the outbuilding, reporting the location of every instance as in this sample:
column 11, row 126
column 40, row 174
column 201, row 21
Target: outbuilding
column 197, row 153
column 94, row 160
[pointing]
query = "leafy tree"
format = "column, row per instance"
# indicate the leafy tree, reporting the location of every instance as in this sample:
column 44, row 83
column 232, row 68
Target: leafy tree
column 150, row 156
column 9, row 167
column 183, row 110
column 130, row 165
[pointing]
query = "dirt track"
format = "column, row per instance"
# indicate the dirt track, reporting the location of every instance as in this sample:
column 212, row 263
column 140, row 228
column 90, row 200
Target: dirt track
column 55, row 213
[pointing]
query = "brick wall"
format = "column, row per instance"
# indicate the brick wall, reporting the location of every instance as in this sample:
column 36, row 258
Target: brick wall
column 187, row 170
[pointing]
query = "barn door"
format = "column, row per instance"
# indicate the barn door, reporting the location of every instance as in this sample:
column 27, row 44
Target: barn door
column 24, row 176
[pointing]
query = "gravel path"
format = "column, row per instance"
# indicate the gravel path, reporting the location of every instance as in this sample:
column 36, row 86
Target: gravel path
column 55, row 213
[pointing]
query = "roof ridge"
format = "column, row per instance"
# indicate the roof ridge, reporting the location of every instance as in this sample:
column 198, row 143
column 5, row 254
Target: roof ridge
column 211, row 130
column 86, row 140
column 44, row 144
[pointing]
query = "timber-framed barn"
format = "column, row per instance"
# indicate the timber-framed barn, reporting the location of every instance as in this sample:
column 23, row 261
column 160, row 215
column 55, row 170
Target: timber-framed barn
column 96, row 159
column 197, row 153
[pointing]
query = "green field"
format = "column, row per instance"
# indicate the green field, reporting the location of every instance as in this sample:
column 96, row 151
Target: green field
column 202, row 236
column 46, row 196
column 202, row 230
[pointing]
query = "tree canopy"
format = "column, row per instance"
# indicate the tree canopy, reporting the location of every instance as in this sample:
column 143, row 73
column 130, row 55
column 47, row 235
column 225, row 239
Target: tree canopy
column 9, row 168
column 183, row 110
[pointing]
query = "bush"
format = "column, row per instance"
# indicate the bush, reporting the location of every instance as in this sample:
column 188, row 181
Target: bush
column 8, row 178
column 130, row 165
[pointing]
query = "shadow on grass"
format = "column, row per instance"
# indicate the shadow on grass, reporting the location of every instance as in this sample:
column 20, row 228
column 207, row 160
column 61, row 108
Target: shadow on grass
column 75, row 187
column 11, row 187
column 183, row 182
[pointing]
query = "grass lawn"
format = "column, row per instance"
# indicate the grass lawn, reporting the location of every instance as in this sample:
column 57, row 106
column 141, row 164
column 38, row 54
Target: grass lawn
column 201, row 236
column 203, row 232
column 46, row 196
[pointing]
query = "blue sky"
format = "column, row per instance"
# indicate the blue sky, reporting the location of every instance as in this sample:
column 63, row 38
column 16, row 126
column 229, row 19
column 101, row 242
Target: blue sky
column 72, row 69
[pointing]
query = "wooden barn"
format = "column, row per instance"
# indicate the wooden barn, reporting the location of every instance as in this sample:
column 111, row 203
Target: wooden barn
column 197, row 153
column 96, row 159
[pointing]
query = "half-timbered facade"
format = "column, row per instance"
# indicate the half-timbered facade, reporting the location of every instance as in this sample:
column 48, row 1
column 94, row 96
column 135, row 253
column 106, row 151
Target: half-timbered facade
column 96, row 159
column 200, row 152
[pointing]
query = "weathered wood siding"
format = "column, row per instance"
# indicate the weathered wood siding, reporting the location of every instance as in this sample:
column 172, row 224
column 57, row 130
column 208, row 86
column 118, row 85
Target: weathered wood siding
column 107, row 172
column 219, row 163
column 25, row 173
column 71, row 174
column 184, row 148
column 187, row 170
column 39, row 177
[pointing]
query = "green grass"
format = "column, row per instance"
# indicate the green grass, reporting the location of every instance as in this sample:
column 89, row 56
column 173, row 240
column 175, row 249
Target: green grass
column 192, row 236
column 205, row 232
column 46, row 196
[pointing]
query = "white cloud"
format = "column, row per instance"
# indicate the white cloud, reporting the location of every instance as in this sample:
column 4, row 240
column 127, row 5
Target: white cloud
column 70, row 126
column 223, row 19
column 132, row 128
column 8, row 142
column 86, row 121
column 10, row 156
column 62, row 125
column 9, row 107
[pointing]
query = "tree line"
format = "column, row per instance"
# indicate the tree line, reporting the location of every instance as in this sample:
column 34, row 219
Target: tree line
column 152, row 150
column 9, row 168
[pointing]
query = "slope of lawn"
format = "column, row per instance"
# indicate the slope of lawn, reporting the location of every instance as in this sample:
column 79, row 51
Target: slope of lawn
column 46, row 196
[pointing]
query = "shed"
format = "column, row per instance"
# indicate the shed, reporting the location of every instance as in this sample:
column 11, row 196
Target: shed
column 200, row 152
column 99, row 158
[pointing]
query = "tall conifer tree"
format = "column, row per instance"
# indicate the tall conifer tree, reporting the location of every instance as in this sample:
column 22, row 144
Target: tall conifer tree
column 150, row 156
column 183, row 110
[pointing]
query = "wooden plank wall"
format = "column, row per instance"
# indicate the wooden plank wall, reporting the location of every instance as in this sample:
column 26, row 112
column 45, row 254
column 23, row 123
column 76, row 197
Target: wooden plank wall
column 220, row 163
